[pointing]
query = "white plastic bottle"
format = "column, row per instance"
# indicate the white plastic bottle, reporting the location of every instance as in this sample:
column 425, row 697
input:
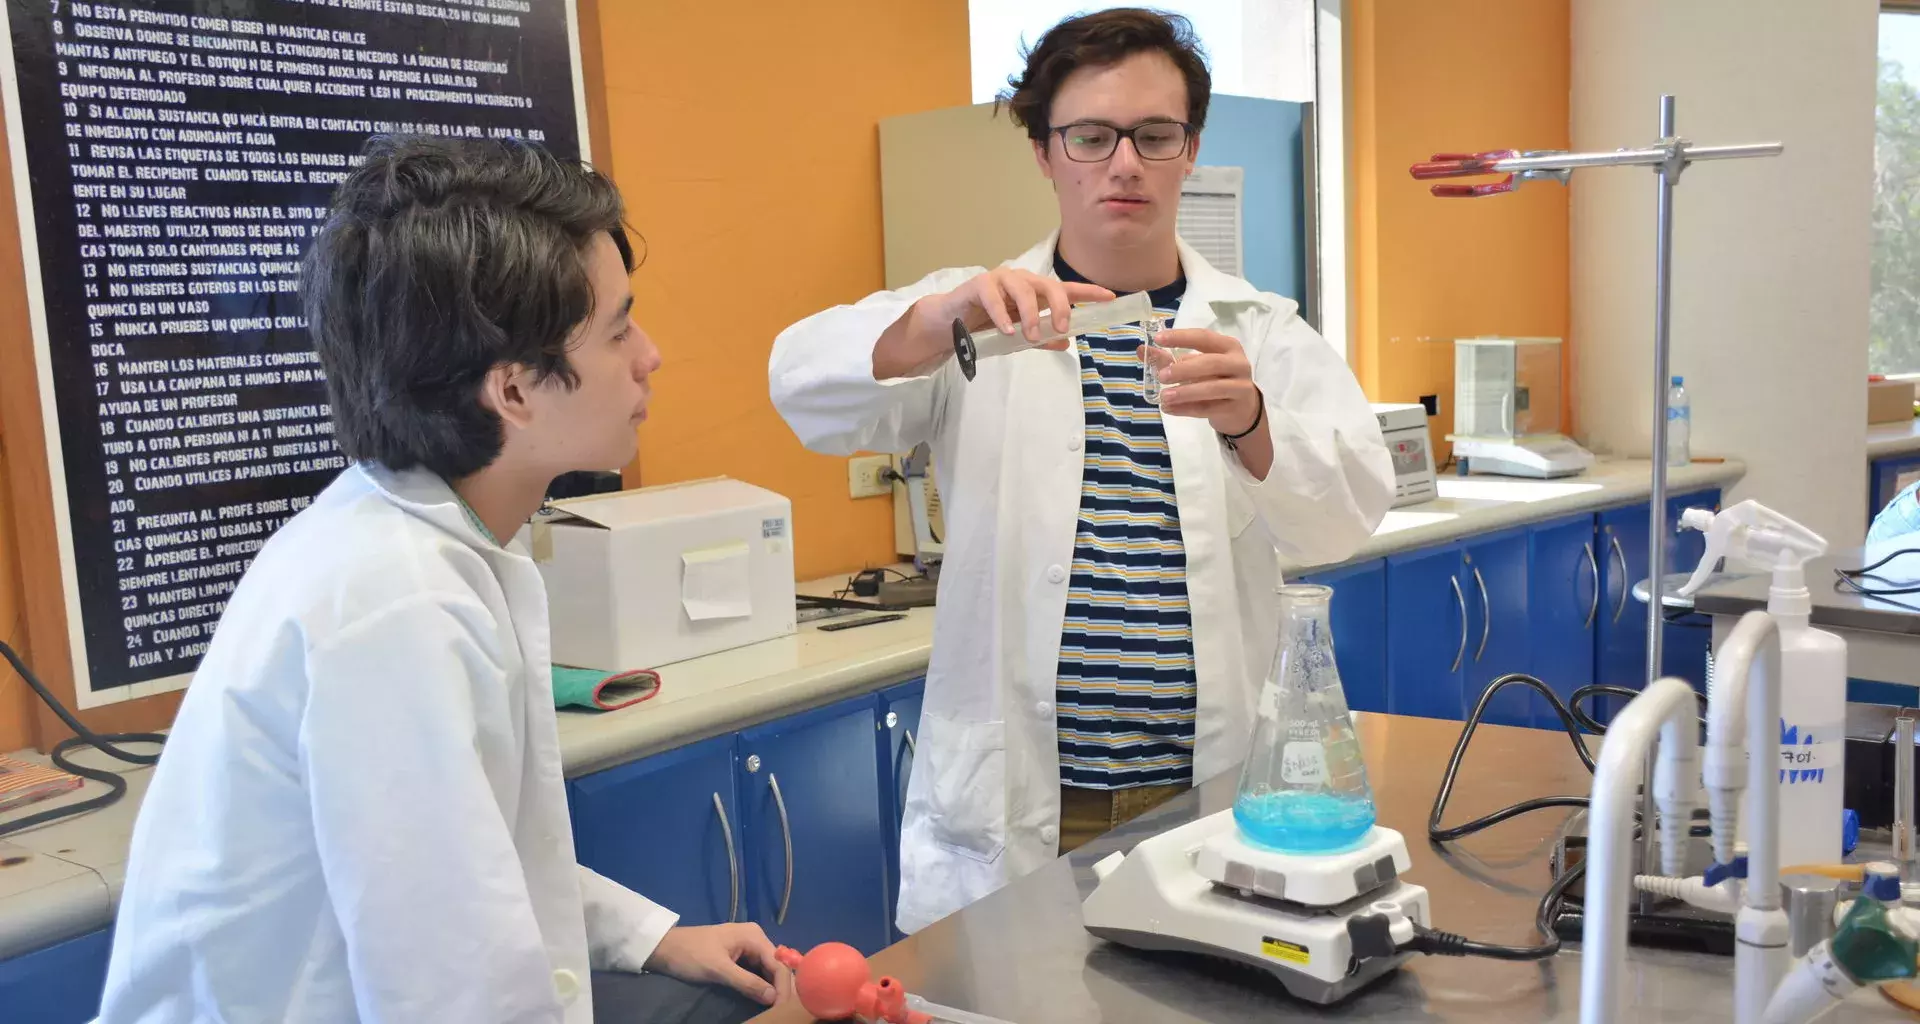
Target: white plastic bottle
column 1812, row 680
column 1679, row 424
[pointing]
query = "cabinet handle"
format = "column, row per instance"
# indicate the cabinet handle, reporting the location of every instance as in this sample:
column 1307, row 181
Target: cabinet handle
column 1486, row 613
column 733, row 861
column 1593, row 565
column 1461, row 600
column 786, row 839
column 906, row 766
column 1624, row 585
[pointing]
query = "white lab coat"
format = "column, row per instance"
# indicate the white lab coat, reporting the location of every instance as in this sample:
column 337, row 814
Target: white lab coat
column 360, row 814
column 983, row 804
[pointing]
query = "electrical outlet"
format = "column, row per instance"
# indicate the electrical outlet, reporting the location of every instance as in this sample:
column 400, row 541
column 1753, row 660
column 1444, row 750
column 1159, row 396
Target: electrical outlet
column 867, row 476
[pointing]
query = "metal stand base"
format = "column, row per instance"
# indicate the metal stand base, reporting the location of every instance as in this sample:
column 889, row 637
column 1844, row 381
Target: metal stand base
column 1660, row 923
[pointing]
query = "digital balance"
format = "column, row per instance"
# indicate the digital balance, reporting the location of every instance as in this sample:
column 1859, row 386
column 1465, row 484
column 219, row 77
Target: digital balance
column 1507, row 397
column 1296, row 879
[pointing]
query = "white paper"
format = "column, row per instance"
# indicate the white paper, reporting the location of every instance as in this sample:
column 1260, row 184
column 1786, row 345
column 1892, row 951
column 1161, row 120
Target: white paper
column 1210, row 215
column 716, row 582
column 1303, row 763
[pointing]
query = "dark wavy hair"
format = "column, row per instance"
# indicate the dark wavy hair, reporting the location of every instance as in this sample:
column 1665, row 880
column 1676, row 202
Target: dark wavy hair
column 441, row 259
column 1100, row 40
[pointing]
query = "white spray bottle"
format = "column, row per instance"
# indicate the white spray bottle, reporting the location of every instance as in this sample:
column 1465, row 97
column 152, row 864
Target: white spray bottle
column 1813, row 673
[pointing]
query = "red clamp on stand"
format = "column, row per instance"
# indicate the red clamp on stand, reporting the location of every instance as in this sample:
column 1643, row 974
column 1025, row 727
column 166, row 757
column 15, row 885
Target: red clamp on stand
column 834, row 983
column 1461, row 165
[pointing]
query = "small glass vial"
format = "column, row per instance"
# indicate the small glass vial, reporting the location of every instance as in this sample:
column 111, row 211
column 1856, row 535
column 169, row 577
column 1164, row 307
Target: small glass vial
column 1150, row 373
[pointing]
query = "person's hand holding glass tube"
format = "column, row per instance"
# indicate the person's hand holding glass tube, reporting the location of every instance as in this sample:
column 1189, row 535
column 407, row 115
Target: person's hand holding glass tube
column 1011, row 302
column 1206, row 375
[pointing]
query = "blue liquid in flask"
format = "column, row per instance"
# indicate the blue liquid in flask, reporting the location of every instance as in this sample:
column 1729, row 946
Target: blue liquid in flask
column 1303, row 822
column 1304, row 787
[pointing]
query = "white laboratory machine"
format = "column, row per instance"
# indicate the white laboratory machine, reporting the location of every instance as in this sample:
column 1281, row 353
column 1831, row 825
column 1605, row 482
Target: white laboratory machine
column 1404, row 427
column 1507, row 398
column 1201, row 888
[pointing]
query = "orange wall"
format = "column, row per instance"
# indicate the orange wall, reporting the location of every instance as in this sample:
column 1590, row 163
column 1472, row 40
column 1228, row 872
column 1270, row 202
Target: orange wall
column 1433, row 76
column 16, row 701
column 748, row 152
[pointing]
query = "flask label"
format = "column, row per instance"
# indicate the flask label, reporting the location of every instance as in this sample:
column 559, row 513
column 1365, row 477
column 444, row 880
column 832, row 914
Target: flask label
column 1281, row 949
column 1303, row 763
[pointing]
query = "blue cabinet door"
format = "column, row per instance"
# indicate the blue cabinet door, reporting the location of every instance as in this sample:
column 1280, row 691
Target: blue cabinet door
column 899, row 724
column 1883, row 481
column 1622, row 640
column 1359, row 621
column 60, row 984
column 1564, row 604
column 1496, row 565
column 1427, row 635
column 815, row 842
column 667, row 827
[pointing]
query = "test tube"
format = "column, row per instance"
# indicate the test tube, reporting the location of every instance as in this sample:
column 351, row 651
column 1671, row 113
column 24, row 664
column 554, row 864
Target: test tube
column 1149, row 370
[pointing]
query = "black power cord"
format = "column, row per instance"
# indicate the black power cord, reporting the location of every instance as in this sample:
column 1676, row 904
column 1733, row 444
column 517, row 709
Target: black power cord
column 1572, row 719
column 1849, row 579
column 83, row 737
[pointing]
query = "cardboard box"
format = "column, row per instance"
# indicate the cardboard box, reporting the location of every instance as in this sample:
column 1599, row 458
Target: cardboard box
column 649, row 577
column 1889, row 401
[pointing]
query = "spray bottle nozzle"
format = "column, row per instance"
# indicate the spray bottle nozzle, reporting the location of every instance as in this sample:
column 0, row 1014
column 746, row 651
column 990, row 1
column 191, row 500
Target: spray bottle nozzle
column 1757, row 533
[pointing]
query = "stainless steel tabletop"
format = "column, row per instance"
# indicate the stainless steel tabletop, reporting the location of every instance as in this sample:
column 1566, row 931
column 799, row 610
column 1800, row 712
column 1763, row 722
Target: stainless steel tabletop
column 1834, row 607
column 1021, row 954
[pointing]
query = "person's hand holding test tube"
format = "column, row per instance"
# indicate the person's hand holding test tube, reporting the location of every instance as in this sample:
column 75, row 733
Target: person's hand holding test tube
column 1206, row 375
column 1014, row 302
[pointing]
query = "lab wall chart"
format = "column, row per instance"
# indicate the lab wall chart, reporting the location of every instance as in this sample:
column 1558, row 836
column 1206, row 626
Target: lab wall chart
column 172, row 160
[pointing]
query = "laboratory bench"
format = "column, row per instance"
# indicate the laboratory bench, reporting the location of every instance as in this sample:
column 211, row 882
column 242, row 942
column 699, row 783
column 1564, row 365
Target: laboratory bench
column 1893, row 461
column 783, row 765
column 1022, row 954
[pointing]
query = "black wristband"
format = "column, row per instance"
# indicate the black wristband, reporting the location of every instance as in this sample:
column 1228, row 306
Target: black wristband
column 1258, row 419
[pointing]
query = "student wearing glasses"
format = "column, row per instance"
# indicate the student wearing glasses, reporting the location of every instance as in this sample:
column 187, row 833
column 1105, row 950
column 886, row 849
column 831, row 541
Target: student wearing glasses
column 1106, row 608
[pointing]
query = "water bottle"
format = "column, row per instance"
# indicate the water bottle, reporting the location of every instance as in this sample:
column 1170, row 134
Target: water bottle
column 1304, row 788
column 1679, row 424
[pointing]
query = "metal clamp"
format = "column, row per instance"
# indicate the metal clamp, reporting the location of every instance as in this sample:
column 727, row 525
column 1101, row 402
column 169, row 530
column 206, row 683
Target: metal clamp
column 1614, row 539
column 733, row 861
column 1460, row 599
column 1461, row 165
column 1486, row 613
column 1593, row 565
column 786, row 839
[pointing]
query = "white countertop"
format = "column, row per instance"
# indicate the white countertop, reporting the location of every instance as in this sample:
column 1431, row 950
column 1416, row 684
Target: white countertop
column 63, row 879
column 1884, row 439
column 1475, row 505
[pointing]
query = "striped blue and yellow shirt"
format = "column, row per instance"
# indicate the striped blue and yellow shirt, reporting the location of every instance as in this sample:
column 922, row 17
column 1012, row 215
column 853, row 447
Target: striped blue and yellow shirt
column 1126, row 693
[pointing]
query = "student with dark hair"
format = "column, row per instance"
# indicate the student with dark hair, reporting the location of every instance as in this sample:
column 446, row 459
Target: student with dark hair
column 1106, row 606
column 360, row 813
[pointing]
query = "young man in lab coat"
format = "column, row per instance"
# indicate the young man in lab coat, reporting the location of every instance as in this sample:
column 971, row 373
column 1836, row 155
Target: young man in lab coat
column 360, row 814
column 1106, row 608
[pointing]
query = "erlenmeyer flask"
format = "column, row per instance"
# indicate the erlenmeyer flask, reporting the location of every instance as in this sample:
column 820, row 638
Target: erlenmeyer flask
column 1304, row 788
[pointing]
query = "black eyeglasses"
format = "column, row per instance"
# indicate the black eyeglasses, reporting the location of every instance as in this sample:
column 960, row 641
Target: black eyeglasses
column 1090, row 142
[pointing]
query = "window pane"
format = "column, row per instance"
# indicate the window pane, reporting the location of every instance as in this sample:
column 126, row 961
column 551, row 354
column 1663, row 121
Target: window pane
column 1895, row 339
column 1260, row 48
